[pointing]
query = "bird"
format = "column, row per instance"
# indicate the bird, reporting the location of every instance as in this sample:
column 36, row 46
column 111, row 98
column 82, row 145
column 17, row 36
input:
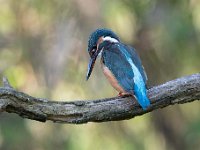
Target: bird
column 120, row 64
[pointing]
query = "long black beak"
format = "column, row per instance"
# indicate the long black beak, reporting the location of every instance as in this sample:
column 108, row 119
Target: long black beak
column 91, row 63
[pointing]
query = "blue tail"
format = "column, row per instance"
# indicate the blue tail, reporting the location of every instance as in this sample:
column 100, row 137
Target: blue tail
column 141, row 96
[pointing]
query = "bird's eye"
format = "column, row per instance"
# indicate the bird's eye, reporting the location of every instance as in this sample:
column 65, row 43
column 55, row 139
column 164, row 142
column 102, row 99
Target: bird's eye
column 94, row 47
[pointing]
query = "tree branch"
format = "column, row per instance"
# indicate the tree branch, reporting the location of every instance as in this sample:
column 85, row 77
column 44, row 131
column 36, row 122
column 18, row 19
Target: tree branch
column 178, row 91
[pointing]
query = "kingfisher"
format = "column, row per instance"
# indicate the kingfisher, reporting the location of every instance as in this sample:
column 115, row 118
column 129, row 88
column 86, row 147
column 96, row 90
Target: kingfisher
column 120, row 64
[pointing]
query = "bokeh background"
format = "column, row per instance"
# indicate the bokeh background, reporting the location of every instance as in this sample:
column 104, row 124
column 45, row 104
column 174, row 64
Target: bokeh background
column 43, row 52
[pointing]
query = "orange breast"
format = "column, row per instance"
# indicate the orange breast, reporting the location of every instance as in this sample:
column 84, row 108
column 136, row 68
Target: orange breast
column 111, row 78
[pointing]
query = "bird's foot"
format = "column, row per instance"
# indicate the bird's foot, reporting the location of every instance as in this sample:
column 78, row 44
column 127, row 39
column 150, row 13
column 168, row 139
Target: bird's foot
column 123, row 94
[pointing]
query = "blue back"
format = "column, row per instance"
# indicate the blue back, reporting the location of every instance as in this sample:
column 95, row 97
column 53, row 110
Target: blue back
column 137, row 61
column 126, row 66
column 115, row 60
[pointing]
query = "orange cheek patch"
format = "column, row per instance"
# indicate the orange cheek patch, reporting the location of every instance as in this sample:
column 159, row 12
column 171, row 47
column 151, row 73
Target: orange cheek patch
column 100, row 40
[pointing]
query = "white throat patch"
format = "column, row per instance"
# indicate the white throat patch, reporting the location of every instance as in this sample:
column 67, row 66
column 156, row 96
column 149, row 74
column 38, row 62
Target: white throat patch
column 108, row 38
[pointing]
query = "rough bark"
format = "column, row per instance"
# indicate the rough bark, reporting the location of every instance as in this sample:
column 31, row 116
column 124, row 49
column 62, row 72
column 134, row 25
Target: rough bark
column 178, row 91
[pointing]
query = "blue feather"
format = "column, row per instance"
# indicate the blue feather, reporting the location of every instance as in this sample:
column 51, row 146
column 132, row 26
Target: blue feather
column 127, row 69
column 141, row 96
column 139, row 84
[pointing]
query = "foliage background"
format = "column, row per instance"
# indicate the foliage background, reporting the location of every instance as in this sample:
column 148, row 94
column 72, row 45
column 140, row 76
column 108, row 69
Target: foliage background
column 43, row 53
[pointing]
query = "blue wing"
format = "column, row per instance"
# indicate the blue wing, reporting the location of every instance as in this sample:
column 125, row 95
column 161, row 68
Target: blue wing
column 137, row 61
column 126, row 66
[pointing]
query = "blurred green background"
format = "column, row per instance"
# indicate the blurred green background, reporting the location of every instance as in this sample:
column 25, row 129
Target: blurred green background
column 43, row 52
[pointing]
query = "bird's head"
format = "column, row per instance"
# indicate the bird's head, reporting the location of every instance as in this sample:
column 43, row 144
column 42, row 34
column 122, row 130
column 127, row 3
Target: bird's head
column 96, row 38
